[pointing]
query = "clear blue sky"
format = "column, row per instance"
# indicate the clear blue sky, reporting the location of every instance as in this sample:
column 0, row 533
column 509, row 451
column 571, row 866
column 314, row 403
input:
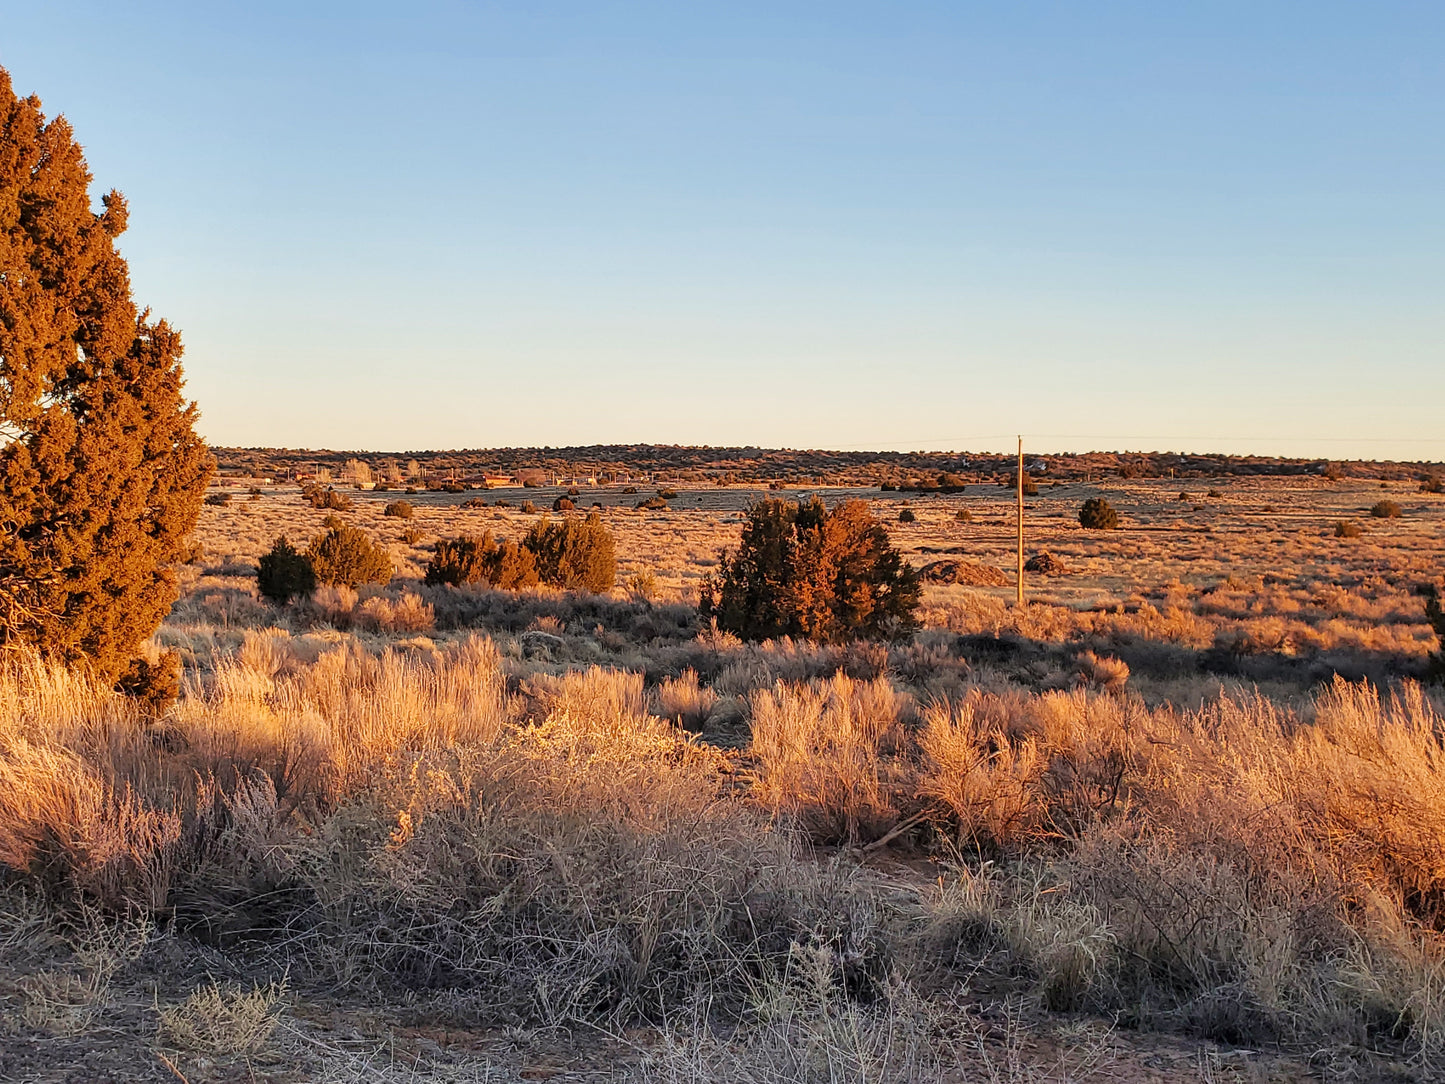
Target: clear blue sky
column 1201, row 226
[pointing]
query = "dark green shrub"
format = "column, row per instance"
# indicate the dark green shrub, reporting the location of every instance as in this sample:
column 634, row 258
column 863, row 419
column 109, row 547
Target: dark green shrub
column 284, row 573
column 907, row 516
column 577, row 554
column 482, row 560
column 1386, row 510
column 348, row 557
column 802, row 570
column 217, row 499
column 399, row 510
column 1435, row 614
column 1097, row 514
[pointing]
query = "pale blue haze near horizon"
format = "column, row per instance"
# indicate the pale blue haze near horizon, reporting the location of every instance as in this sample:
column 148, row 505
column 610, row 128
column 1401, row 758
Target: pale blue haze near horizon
column 1205, row 226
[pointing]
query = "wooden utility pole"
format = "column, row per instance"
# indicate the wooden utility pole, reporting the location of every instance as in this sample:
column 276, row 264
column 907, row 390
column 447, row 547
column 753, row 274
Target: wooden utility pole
column 1020, row 482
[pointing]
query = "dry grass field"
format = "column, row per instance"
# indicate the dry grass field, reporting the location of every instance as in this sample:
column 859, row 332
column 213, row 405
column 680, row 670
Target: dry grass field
column 1180, row 818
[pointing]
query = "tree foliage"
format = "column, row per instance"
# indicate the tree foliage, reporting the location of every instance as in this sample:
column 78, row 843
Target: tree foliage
column 802, row 570
column 482, row 560
column 576, row 554
column 1097, row 514
column 101, row 471
column 284, row 573
column 1435, row 614
column 346, row 556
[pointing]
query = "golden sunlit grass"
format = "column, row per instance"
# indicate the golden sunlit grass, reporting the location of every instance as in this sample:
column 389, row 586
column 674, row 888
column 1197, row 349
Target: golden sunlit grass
column 597, row 811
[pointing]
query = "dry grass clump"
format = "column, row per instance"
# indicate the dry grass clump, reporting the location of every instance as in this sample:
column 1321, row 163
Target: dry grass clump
column 684, row 702
column 826, row 755
column 593, row 865
column 223, row 1020
column 1014, row 769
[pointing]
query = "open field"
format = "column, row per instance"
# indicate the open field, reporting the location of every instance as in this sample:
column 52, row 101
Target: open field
column 1137, row 831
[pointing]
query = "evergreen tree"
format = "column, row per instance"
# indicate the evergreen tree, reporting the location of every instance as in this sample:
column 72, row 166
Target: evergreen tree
column 802, row 570
column 101, row 471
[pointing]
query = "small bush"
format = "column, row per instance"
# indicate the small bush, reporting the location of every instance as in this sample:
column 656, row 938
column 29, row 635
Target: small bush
column 502, row 502
column 347, row 557
column 1385, row 510
column 642, row 587
column 1346, row 529
column 629, row 489
column 529, row 508
column 284, row 573
column 325, row 498
column 399, row 510
column 474, row 502
column 1433, row 484
column 482, row 560
column 1097, row 514
column 652, row 504
column 563, row 504
column 412, row 535
column 573, row 491
column 1214, row 493
column 963, row 515
column 333, row 523
column 218, row 499
column 667, row 494
column 907, row 516
column 574, row 553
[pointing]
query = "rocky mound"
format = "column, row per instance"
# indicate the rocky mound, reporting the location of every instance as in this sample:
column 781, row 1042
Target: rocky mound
column 964, row 572
column 1046, row 563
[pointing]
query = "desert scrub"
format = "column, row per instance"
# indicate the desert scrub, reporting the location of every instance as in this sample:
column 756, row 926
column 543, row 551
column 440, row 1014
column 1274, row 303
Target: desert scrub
column 805, row 570
column 464, row 560
column 399, row 510
column 283, row 573
column 1097, row 514
column 347, row 557
column 1386, row 510
column 573, row 553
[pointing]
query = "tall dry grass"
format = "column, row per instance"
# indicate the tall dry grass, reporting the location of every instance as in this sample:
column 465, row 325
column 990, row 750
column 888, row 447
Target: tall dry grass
column 400, row 820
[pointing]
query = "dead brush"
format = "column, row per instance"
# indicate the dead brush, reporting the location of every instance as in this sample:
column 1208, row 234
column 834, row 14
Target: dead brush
column 1014, row 770
column 832, row 755
column 223, row 1021
column 682, row 701
column 585, row 867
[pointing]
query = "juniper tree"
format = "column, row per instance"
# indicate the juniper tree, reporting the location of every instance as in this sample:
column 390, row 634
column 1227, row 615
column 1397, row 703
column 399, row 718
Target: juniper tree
column 805, row 570
column 101, row 471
